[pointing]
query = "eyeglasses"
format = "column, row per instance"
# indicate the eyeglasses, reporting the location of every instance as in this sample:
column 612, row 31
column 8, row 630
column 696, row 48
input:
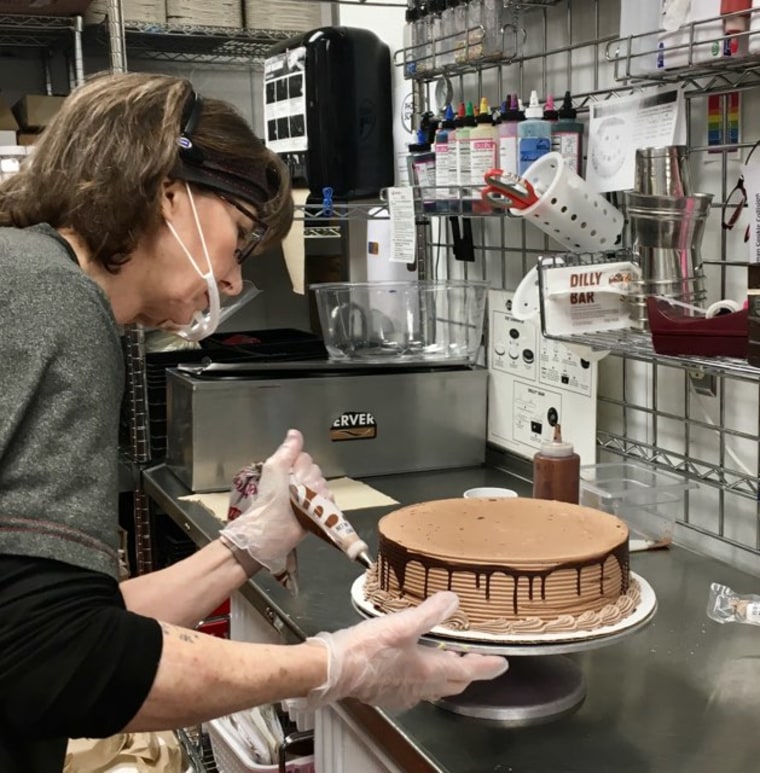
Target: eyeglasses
column 734, row 206
column 247, row 243
column 737, row 200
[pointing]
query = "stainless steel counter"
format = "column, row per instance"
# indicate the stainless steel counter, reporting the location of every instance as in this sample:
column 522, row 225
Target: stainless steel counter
column 681, row 695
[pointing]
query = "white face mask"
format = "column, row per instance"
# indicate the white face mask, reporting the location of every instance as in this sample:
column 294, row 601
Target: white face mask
column 204, row 323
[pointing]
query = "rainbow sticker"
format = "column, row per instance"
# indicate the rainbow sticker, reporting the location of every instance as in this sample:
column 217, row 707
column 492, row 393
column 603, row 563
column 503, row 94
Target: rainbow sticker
column 718, row 132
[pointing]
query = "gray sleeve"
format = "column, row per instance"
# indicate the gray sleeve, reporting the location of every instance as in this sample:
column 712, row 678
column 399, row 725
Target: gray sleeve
column 61, row 379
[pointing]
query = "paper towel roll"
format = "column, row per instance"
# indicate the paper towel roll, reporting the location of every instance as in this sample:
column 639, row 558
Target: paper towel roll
column 293, row 248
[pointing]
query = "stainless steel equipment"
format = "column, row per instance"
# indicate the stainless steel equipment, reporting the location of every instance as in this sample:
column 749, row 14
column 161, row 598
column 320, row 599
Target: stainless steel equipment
column 663, row 171
column 666, row 233
column 357, row 421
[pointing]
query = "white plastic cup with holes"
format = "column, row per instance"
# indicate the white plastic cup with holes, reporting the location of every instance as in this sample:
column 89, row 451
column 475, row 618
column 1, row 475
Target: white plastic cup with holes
column 568, row 210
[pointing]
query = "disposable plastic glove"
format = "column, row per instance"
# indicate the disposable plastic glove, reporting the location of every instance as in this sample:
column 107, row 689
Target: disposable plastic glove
column 268, row 530
column 380, row 662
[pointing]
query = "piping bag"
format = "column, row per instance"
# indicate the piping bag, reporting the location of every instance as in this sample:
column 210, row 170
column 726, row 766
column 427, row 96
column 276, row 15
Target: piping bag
column 316, row 514
column 323, row 518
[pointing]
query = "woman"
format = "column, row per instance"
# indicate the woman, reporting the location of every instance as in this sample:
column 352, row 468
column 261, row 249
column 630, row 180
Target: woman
column 139, row 205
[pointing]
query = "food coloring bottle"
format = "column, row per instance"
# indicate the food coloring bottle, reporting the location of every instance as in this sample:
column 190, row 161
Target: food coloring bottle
column 534, row 135
column 567, row 135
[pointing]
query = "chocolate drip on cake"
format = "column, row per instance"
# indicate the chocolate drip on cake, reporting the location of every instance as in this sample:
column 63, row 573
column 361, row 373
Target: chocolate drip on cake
column 395, row 558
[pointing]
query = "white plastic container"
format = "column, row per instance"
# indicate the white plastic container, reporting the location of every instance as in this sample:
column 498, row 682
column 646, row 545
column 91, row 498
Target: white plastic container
column 232, row 756
column 568, row 210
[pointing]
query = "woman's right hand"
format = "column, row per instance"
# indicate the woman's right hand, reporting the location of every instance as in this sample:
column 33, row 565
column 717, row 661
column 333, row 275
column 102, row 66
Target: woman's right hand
column 381, row 663
column 268, row 530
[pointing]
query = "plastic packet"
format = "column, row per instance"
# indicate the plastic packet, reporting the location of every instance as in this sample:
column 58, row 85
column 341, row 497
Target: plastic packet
column 726, row 606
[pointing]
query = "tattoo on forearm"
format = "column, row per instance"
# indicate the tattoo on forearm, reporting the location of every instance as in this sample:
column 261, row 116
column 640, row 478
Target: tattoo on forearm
column 183, row 634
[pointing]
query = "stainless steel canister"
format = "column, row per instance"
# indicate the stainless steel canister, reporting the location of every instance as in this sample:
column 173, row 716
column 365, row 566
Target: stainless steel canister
column 666, row 238
column 663, row 171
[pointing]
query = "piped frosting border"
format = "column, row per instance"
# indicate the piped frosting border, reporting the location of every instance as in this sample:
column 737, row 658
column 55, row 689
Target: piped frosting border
column 587, row 621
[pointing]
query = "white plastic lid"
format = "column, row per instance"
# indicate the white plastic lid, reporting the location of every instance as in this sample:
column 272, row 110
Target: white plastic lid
column 557, row 447
column 553, row 448
column 534, row 109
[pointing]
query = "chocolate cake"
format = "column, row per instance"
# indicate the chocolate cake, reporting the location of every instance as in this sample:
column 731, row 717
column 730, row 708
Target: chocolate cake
column 518, row 565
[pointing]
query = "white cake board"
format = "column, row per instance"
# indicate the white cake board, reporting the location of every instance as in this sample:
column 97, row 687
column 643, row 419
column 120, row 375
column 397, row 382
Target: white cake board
column 541, row 684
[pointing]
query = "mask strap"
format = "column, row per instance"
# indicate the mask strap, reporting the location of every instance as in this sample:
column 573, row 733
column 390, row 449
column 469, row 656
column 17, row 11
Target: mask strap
column 187, row 252
column 200, row 230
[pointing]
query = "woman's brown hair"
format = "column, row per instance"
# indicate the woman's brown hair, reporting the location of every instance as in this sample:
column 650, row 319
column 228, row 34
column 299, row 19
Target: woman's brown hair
column 99, row 165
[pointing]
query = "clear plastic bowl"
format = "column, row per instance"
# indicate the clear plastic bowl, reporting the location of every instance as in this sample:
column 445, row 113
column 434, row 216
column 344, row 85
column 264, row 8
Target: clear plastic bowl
column 425, row 321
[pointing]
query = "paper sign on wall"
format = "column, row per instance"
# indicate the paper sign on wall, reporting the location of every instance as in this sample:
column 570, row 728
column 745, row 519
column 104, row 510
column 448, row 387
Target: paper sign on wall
column 403, row 229
column 617, row 127
column 535, row 383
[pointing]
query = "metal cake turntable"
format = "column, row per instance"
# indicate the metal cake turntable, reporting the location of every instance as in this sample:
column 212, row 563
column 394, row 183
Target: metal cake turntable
column 542, row 683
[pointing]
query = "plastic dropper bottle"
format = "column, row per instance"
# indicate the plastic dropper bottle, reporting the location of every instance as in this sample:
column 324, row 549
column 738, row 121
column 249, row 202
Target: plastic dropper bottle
column 463, row 153
column 534, row 135
column 567, row 135
column 557, row 470
column 483, row 152
column 410, row 52
column 443, row 150
column 550, row 114
column 421, row 168
column 507, row 130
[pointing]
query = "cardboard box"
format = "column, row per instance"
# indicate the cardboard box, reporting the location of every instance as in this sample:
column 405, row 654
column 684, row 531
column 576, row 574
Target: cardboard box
column 27, row 138
column 44, row 7
column 7, row 119
column 35, row 111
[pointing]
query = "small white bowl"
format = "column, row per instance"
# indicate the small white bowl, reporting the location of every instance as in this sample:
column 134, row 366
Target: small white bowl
column 489, row 492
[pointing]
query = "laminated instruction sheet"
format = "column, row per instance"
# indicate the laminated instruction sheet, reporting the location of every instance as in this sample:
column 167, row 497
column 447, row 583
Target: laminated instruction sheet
column 618, row 126
column 535, row 383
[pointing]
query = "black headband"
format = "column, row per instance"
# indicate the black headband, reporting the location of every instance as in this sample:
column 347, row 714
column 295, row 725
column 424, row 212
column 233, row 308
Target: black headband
column 219, row 178
column 191, row 114
column 196, row 166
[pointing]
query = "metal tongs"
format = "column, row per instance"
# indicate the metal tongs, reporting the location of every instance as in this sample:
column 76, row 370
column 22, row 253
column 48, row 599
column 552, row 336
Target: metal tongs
column 507, row 190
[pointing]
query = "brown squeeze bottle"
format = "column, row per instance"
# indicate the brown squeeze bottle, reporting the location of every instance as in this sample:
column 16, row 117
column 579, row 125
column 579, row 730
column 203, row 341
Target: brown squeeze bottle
column 556, row 470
